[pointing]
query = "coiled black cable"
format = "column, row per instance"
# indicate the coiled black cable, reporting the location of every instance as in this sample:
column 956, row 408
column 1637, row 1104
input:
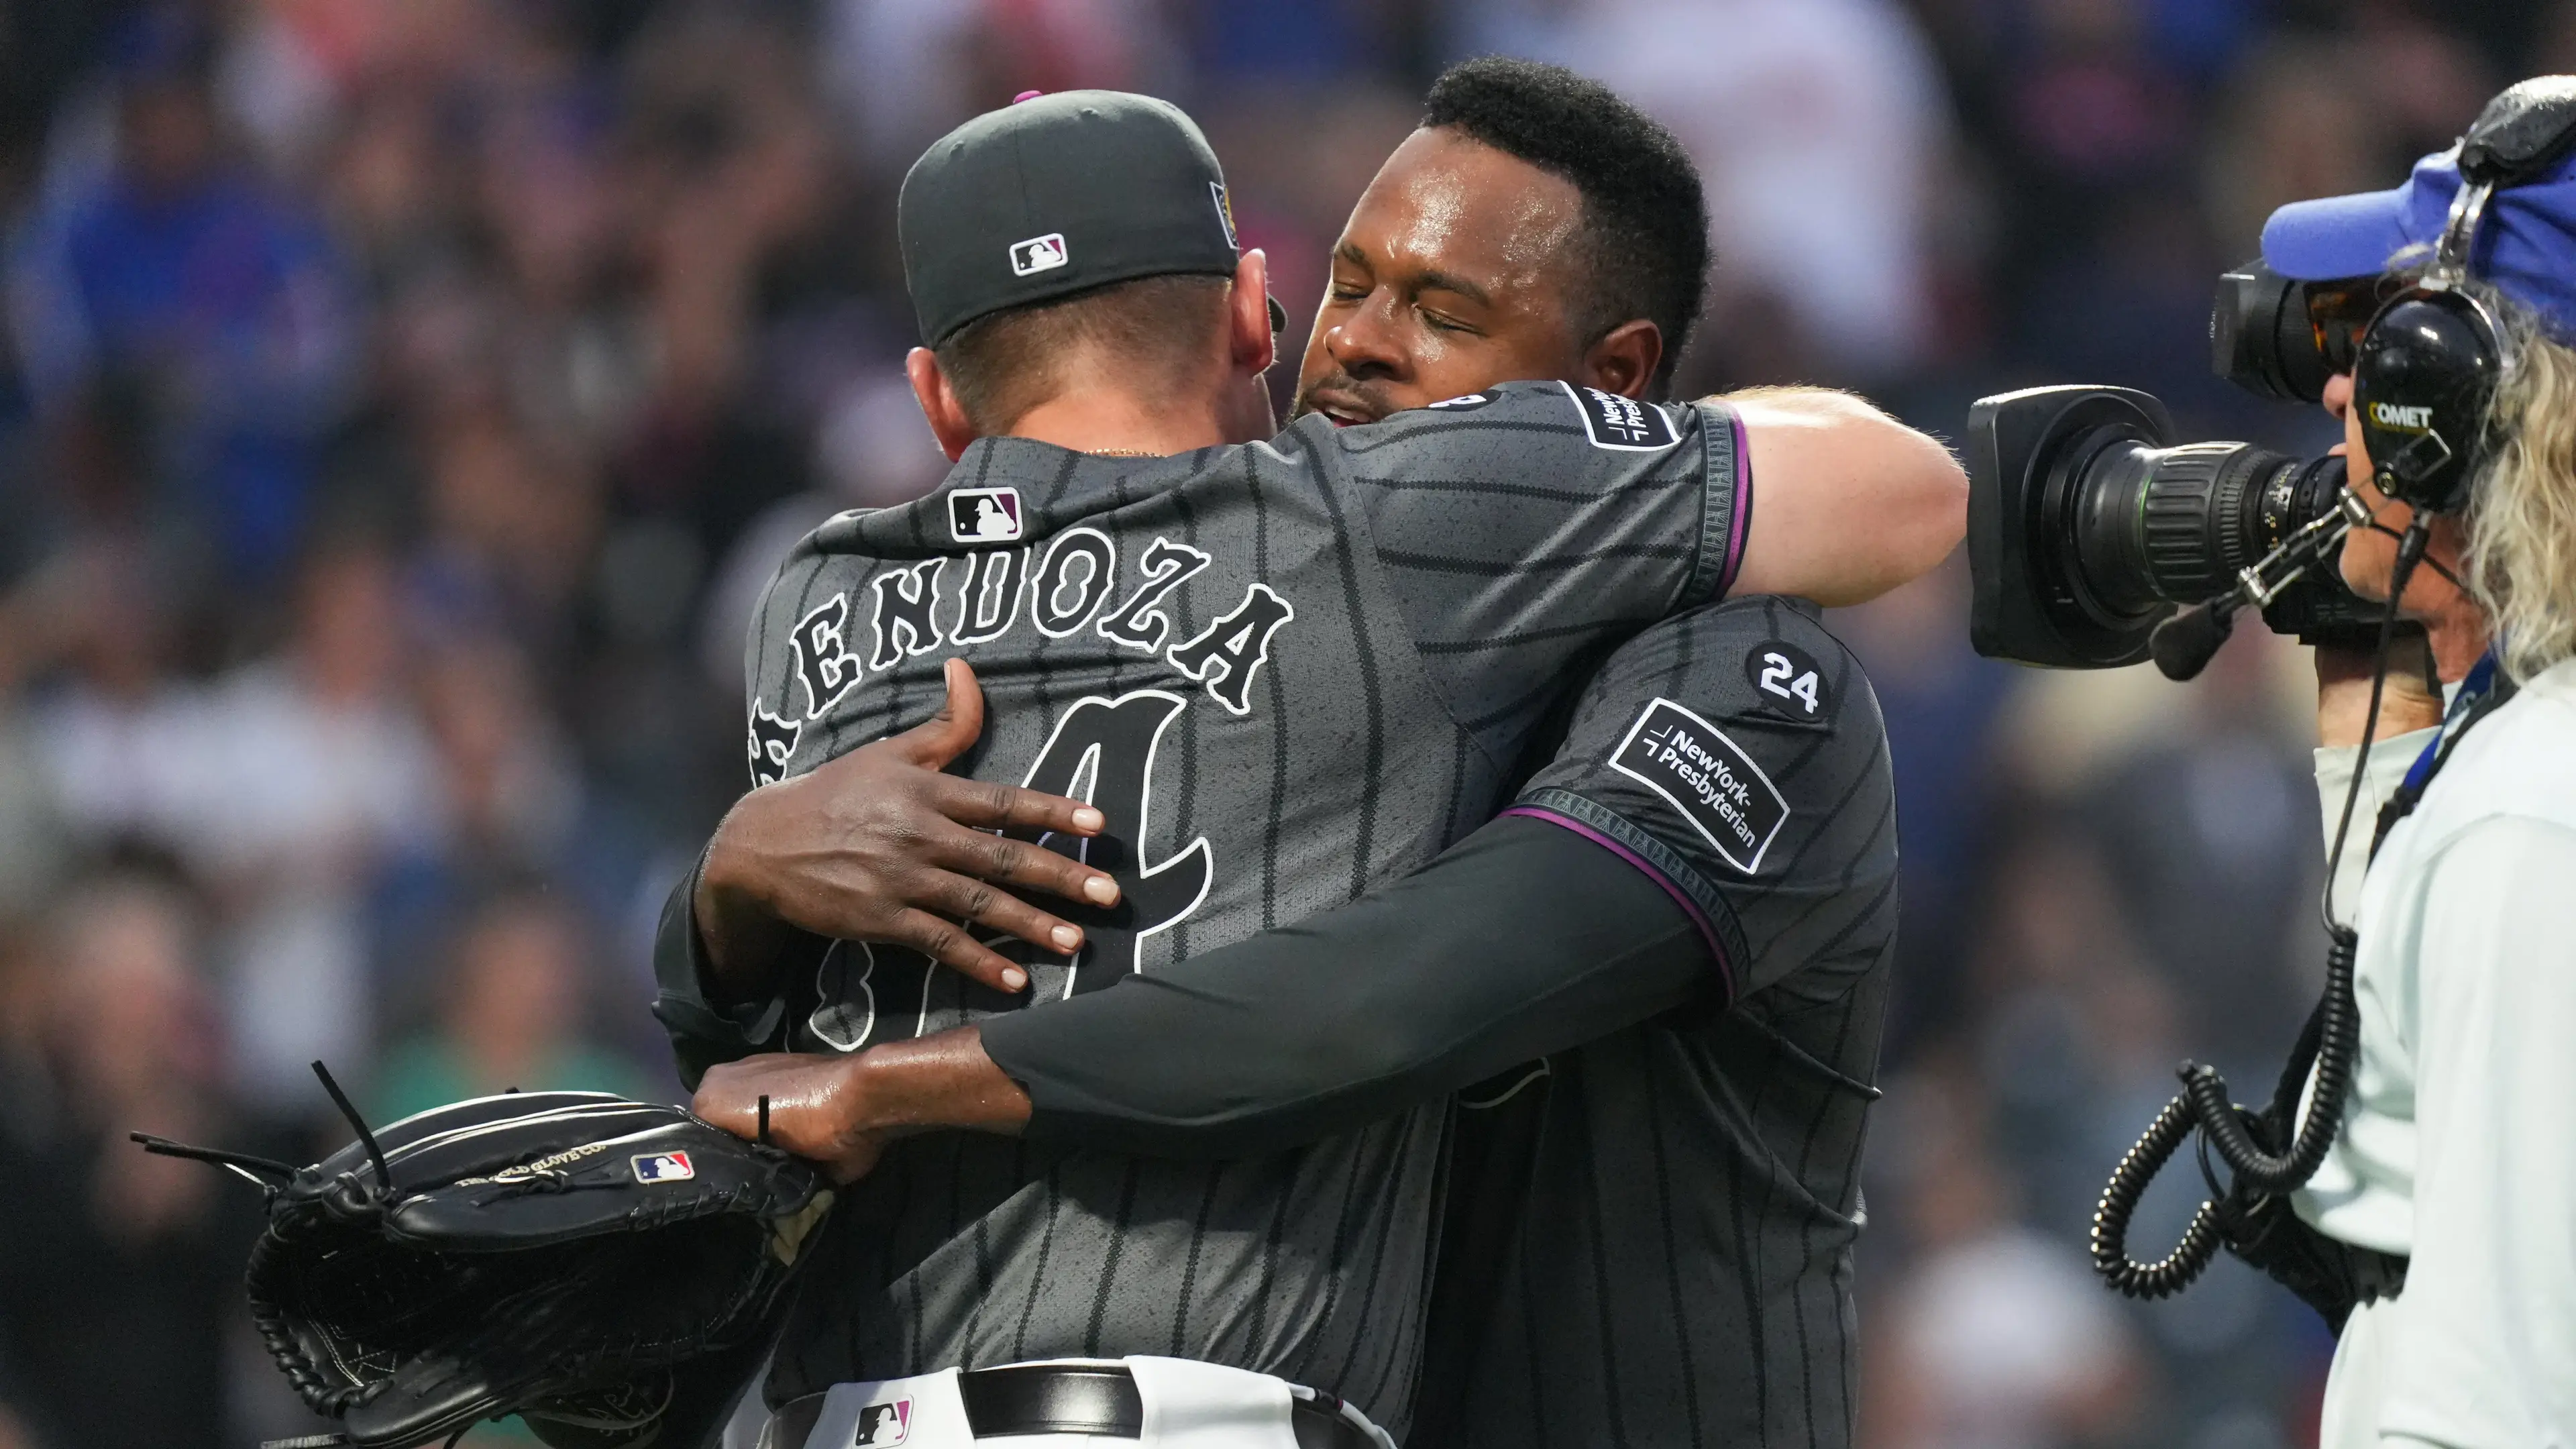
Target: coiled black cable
column 2200, row 1241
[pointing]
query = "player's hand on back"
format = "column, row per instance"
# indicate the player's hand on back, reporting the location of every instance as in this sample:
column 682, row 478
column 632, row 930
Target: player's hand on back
column 879, row 845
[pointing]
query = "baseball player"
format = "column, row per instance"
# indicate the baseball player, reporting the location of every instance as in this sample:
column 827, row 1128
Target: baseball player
column 1455, row 562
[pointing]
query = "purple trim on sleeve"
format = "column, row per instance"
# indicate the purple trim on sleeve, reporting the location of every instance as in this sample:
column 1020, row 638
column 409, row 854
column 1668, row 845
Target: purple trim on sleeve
column 1690, row 908
column 1741, row 521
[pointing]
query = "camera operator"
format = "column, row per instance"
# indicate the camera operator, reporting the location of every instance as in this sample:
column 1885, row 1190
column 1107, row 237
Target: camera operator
column 2454, row 1166
column 2413, row 1174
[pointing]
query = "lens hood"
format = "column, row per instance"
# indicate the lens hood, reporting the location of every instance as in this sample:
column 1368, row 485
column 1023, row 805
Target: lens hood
column 2026, row 452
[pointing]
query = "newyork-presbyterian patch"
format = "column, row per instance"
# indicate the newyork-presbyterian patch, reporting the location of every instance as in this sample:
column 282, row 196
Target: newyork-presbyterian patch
column 1707, row 778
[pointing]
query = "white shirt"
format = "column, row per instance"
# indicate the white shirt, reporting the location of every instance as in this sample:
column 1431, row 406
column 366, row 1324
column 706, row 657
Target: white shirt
column 2459, row 1141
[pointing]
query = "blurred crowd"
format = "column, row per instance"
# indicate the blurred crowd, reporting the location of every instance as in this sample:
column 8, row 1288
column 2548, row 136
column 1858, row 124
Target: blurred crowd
column 402, row 403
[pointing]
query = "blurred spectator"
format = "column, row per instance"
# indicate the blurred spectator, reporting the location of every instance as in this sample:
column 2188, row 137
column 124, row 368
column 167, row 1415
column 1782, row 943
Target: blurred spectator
column 507, row 804
column 2294, row 126
column 1814, row 123
column 314, row 768
column 905, row 72
column 2426, row 79
column 2210, row 833
column 1941, row 704
column 221, row 295
column 2069, row 1026
column 120, row 1271
column 119, row 734
column 30, row 1099
column 1998, row 1338
column 507, row 794
column 511, row 1017
column 511, row 523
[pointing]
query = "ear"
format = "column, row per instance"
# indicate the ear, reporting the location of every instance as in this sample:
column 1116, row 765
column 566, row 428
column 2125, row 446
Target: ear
column 1250, row 342
column 939, row 402
column 1625, row 361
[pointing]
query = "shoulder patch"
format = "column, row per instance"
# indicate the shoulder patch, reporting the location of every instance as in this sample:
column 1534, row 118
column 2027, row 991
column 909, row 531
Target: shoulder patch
column 984, row 515
column 1705, row 776
column 1463, row 403
column 1622, row 424
column 1787, row 682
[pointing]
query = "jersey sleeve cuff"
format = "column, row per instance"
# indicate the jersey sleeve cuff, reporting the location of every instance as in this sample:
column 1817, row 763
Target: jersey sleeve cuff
column 701, row 1031
column 1726, row 512
column 1623, row 838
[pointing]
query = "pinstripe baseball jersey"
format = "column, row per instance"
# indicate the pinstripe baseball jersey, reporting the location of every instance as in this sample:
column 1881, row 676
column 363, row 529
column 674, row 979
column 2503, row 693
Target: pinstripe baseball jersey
column 1283, row 671
column 1649, row 1237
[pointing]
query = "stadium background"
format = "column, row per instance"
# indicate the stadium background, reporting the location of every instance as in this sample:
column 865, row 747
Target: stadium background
column 403, row 400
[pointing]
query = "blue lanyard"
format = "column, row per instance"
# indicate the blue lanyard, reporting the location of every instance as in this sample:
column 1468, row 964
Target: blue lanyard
column 2481, row 678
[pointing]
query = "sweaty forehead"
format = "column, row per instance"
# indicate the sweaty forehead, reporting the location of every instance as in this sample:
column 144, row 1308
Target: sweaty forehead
column 1446, row 203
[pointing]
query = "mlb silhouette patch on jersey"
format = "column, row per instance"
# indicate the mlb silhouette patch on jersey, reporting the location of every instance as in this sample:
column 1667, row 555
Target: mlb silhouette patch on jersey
column 984, row 515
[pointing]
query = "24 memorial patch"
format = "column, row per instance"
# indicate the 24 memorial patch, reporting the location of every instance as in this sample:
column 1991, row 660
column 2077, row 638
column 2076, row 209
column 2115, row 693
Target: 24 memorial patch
column 1787, row 682
column 1707, row 778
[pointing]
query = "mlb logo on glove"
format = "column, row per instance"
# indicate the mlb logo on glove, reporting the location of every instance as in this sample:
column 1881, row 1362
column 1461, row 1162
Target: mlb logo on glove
column 663, row 1167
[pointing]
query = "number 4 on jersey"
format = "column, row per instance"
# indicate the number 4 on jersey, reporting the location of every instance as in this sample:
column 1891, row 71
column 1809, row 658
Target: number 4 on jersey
column 1101, row 752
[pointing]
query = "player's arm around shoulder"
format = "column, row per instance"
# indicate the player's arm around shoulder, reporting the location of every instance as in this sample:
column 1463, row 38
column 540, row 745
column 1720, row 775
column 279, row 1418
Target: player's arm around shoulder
column 1736, row 754
column 1847, row 503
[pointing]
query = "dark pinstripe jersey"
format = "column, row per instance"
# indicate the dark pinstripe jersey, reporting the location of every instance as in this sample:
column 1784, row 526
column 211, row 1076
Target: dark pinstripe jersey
column 1284, row 672
column 1649, row 1237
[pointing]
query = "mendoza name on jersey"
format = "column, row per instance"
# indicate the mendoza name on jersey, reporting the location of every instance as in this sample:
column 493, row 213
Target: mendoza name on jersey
column 956, row 601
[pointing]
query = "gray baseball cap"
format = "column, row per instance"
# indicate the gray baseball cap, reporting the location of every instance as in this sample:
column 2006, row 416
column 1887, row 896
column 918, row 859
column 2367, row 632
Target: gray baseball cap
column 1057, row 194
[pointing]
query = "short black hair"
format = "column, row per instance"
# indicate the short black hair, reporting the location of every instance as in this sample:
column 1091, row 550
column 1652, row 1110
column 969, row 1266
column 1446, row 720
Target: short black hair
column 1004, row 363
column 1645, row 223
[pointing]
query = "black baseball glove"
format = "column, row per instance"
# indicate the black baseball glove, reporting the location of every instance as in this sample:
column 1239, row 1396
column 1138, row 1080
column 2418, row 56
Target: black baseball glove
column 608, row 1270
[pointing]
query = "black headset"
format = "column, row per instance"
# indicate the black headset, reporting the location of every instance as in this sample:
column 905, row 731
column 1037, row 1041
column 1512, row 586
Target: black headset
column 2429, row 361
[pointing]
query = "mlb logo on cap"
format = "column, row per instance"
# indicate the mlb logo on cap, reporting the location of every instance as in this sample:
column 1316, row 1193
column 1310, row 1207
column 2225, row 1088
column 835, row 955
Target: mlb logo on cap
column 1038, row 254
column 663, row 1167
column 984, row 515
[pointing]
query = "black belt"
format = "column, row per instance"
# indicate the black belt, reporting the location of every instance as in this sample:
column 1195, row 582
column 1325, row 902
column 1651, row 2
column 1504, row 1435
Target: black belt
column 1058, row 1399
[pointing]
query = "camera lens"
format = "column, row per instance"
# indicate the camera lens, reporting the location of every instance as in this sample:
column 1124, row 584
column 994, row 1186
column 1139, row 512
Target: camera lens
column 2156, row 526
column 2086, row 528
